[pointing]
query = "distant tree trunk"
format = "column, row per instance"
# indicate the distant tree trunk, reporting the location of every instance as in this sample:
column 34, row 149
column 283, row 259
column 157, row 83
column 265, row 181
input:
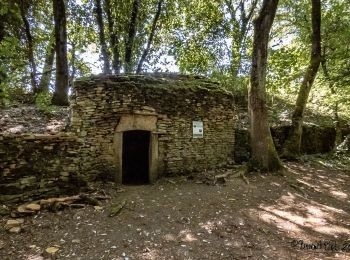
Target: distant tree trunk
column 104, row 50
column 48, row 64
column 131, row 36
column 2, row 29
column 73, row 67
column 336, row 123
column 30, row 45
column 60, row 96
column 151, row 36
column 264, row 155
column 114, row 41
column 293, row 142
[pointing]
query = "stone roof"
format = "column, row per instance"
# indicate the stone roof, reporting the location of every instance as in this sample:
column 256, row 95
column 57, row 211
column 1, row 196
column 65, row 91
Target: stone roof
column 167, row 81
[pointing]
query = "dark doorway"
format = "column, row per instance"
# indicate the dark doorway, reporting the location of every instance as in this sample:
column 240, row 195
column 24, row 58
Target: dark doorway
column 136, row 157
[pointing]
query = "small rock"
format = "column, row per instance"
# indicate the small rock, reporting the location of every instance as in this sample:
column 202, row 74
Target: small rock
column 13, row 223
column 52, row 250
column 2, row 244
column 20, row 220
column 15, row 230
column 4, row 210
column 169, row 237
column 98, row 208
column 76, row 241
column 22, row 209
column 33, row 207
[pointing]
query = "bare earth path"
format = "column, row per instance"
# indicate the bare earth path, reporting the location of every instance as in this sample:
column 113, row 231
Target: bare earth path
column 183, row 219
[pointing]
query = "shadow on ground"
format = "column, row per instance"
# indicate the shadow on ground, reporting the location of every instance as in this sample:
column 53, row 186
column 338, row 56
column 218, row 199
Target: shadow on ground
column 186, row 219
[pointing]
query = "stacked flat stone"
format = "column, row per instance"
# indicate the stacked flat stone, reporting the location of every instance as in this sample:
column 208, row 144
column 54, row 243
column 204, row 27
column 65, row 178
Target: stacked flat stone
column 35, row 165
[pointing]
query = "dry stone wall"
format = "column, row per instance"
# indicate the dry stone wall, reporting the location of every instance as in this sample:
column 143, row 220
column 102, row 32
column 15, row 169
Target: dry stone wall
column 314, row 140
column 99, row 103
column 35, row 165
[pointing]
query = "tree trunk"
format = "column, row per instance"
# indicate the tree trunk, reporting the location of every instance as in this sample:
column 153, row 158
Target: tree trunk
column 2, row 29
column 264, row 155
column 151, row 36
column 47, row 70
column 30, row 51
column 131, row 36
column 114, row 41
column 104, row 50
column 72, row 65
column 60, row 96
column 241, row 28
column 293, row 142
column 336, row 122
column 345, row 145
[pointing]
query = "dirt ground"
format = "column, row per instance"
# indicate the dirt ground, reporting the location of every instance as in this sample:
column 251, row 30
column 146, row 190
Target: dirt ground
column 193, row 218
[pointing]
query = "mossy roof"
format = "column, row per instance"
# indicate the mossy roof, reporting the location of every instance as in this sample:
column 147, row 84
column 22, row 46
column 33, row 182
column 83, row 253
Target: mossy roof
column 168, row 81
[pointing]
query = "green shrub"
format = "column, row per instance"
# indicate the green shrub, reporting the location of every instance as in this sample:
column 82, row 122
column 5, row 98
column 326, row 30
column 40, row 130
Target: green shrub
column 43, row 102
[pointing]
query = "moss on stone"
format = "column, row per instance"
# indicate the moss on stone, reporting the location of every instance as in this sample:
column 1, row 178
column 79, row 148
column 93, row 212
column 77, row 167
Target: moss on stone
column 168, row 82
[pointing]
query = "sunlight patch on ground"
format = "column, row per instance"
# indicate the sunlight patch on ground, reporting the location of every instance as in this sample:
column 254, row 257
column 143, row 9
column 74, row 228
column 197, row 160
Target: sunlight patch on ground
column 209, row 226
column 339, row 194
column 286, row 226
column 187, row 236
column 151, row 254
column 276, row 184
column 322, row 183
column 332, row 188
column 292, row 216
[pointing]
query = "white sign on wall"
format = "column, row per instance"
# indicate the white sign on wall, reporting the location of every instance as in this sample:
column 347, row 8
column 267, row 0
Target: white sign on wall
column 197, row 129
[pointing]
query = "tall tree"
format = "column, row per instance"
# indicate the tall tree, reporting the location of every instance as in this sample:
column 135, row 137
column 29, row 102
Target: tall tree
column 264, row 155
column 30, row 45
column 293, row 143
column 113, row 38
column 151, row 36
column 131, row 36
column 239, row 30
column 60, row 96
column 48, row 64
column 333, row 92
column 101, row 33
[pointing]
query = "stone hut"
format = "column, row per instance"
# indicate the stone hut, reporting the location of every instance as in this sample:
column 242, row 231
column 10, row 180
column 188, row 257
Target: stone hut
column 131, row 128
column 136, row 128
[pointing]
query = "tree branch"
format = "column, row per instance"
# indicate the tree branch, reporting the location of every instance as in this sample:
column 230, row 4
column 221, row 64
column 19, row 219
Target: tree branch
column 131, row 36
column 151, row 36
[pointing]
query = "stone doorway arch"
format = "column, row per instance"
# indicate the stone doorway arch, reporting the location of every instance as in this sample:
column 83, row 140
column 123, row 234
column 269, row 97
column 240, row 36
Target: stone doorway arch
column 133, row 122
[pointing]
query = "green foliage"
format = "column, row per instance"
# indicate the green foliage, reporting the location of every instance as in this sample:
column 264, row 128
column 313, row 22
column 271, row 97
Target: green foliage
column 211, row 38
column 4, row 98
column 43, row 102
column 238, row 86
column 290, row 52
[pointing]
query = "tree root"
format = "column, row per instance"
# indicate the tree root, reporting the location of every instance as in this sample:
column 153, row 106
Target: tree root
column 241, row 174
column 59, row 203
